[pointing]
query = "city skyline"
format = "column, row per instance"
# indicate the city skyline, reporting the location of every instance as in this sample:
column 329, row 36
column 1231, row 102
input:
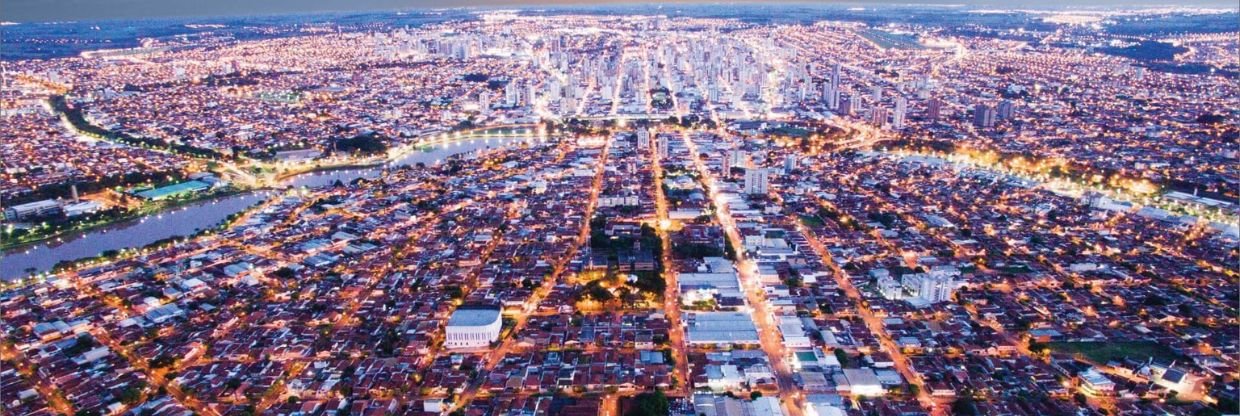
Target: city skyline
column 34, row 11
column 757, row 210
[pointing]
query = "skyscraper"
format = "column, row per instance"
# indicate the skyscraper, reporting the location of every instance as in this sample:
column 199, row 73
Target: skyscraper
column 848, row 106
column 897, row 117
column 512, row 94
column 835, row 76
column 830, row 96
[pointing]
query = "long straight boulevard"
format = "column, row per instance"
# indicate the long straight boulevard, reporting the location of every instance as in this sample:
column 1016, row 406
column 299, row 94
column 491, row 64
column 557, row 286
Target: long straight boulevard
column 640, row 210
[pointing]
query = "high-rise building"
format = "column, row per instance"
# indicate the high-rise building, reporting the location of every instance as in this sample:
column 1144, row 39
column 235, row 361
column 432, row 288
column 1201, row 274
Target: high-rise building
column 512, row 94
column 983, row 116
column 897, row 116
column 756, row 181
column 848, row 105
column 1006, row 109
column 921, row 289
column 484, row 101
column 790, row 164
column 934, row 108
column 935, row 286
column 835, row 76
column 739, row 159
column 878, row 116
column 831, row 96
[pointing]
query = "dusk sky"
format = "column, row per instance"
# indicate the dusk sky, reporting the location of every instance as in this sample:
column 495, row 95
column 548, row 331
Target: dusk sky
column 53, row 10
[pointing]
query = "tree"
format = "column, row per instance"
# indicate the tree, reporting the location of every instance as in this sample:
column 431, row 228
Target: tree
column 964, row 406
column 455, row 292
column 842, row 356
column 131, row 395
column 650, row 404
column 163, row 360
column 284, row 272
column 755, row 395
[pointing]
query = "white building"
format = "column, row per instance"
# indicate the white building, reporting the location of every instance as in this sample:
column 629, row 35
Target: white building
column 472, row 327
column 82, row 208
column 1095, row 382
column 33, row 209
column 920, row 289
column 936, row 286
column 738, row 159
column 860, row 382
column 790, row 164
column 715, row 405
column 793, row 332
column 831, row 96
column 756, row 181
column 897, row 117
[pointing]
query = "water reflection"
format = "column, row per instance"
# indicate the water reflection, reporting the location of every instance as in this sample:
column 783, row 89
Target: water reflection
column 191, row 218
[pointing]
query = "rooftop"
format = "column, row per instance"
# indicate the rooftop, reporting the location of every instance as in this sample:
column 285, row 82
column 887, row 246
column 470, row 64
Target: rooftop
column 474, row 316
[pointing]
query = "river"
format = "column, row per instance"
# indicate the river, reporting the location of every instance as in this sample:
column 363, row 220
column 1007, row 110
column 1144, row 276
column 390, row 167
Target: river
column 189, row 219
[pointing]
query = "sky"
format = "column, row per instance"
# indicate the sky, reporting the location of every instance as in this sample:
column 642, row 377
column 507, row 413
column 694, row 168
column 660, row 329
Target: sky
column 60, row 10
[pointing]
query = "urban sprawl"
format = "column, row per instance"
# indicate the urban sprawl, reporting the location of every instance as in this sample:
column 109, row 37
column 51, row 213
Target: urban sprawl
column 685, row 216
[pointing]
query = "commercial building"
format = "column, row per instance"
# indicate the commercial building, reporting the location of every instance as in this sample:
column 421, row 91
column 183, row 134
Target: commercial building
column 35, row 209
column 172, row 191
column 721, row 328
column 472, row 327
column 715, row 405
column 860, row 382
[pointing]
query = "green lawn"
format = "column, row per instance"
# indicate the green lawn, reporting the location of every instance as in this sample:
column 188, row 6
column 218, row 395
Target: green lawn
column 1102, row 352
column 790, row 131
column 811, row 221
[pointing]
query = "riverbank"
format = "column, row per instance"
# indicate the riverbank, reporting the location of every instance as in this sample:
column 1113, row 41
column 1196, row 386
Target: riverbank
column 187, row 219
column 42, row 259
column 116, row 254
column 148, row 208
column 283, row 178
column 1137, row 193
